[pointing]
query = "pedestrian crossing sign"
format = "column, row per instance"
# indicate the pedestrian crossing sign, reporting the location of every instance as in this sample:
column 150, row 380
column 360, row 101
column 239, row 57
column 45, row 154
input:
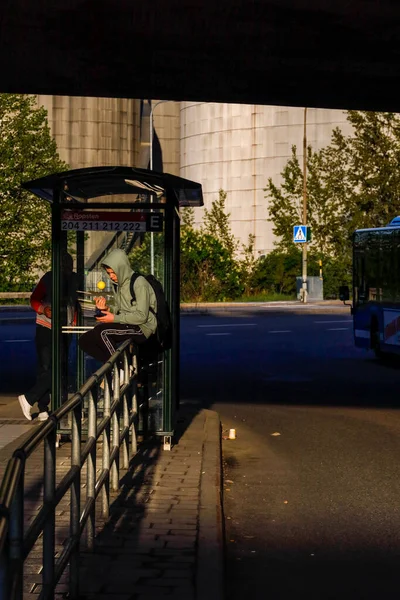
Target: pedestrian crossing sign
column 301, row 234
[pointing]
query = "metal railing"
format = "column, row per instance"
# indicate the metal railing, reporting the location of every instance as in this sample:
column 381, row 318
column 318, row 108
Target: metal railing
column 116, row 430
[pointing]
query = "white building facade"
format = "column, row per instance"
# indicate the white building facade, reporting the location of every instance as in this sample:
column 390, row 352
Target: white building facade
column 234, row 147
column 238, row 147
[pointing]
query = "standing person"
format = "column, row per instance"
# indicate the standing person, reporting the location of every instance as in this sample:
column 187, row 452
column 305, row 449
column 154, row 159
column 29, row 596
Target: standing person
column 41, row 300
column 127, row 318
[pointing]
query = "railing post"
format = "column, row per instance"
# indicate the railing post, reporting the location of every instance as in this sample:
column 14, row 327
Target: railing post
column 5, row 569
column 91, row 472
column 115, row 430
column 106, row 449
column 75, row 501
column 50, row 523
column 125, row 415
column 134, row 407
column 16, row 541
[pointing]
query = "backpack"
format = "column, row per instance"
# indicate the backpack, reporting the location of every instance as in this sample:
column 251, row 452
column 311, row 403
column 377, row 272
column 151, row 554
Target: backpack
column 163, row 314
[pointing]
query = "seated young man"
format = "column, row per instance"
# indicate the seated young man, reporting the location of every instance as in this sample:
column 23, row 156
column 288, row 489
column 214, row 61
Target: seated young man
column 125, row 319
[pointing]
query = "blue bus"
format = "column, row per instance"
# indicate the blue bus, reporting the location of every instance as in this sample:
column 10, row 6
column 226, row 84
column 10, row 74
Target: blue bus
column 376, row 288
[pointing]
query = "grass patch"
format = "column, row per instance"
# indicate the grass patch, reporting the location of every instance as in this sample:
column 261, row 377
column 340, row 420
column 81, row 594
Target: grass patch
column 267, row 298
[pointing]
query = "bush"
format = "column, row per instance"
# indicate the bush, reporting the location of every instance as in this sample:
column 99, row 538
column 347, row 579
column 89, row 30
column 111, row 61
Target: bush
column 277, row 272
column 335, row 272
column 208, row 271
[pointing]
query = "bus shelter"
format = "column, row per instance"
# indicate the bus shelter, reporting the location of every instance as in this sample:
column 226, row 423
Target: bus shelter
column 93, row 211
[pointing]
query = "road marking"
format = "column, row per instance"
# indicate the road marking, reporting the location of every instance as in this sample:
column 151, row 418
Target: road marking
column 346, row 321
column 14, row 341
column 281, row 331
column 231, row 325
column 218, row 334
column 338, row 329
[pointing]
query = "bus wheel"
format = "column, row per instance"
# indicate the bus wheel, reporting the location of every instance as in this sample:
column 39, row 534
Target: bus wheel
column 375, row 340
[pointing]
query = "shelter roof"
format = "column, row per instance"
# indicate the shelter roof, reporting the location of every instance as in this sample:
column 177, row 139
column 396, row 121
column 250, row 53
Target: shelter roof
column 82, row 185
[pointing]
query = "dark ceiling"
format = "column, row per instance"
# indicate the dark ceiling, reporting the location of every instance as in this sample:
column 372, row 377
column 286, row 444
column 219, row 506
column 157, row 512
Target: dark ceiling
column 317, row 53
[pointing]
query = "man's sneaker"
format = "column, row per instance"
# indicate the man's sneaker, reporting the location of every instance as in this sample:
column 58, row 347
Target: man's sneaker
column 25, row 407
column 43, row 416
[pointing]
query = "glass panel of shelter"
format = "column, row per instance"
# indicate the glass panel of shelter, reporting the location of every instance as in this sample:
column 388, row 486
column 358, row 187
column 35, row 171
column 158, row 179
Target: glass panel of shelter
column 90, row 234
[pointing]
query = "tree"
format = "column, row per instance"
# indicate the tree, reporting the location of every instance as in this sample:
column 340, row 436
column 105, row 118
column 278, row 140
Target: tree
column 216, row 223
column 352, row 183
column 327, row 209
column 285, row 202
column 187, row 216
column 374, row 151
column 27, row 151
column 208, row 271
column 209, row 268
column 247, row 264
column 277, row 272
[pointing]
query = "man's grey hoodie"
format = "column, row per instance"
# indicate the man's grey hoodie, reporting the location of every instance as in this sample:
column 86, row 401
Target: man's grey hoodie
column 125, row 311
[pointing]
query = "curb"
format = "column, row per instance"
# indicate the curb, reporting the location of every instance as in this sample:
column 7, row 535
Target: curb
column 210, row 552
column 263, row 307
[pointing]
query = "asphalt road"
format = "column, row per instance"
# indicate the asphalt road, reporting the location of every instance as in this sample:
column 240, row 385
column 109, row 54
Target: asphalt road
column 312, row 481
column 17, row 349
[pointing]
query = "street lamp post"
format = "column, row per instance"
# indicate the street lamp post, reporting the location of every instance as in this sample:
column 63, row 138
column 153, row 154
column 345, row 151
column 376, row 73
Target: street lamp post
column 304, row 257
column 151, row 168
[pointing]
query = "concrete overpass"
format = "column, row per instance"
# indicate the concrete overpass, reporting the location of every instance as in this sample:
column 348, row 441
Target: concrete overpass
column 317, row 53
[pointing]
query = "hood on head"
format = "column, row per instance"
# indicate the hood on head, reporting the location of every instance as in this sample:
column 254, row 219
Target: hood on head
column 118, row 261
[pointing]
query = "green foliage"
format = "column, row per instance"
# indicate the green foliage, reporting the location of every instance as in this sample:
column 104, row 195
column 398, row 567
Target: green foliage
column 285, row 202
column 208, row 270
column 265, row 297
column 140, row 255
column 277, row 272
column 247, row 264
column 335, row 272
column 327, row 199
column 187, row 216
column 216, row 224
column 374, row 154
column 27, row 151
column 353, row 183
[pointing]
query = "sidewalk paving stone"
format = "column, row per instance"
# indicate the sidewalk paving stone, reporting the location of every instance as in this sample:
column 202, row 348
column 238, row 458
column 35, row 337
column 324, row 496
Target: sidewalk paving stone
column 155, row 542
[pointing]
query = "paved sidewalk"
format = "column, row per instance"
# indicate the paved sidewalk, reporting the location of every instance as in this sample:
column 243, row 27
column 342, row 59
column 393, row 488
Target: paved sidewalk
column 13, row 426
column 164, row 537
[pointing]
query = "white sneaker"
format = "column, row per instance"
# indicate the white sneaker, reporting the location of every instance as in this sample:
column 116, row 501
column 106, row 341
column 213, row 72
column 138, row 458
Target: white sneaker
column 25, row 407
column 43, row 416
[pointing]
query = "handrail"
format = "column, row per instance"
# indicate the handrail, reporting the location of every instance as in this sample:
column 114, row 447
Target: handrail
column 115, row 429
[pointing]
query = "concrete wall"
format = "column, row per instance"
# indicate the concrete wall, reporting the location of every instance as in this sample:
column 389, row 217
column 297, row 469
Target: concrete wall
column 235, row 147
column 93, row 131
column 238, row 147
column 166, row 119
